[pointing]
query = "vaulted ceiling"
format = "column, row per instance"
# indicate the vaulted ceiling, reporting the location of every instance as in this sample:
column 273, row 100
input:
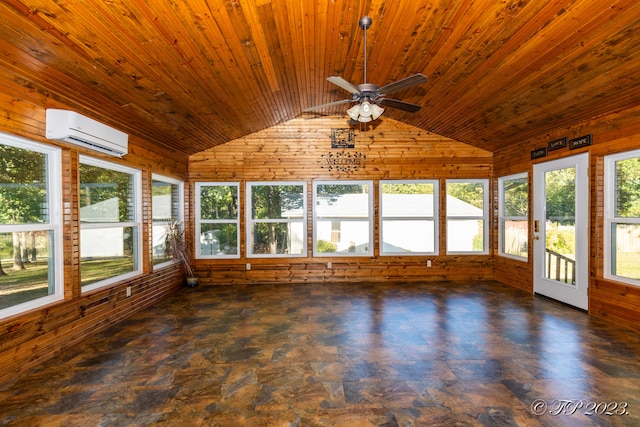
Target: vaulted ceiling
column 193, row 74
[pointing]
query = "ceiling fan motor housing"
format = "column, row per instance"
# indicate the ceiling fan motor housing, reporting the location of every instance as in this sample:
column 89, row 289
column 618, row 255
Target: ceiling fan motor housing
column 368, row 91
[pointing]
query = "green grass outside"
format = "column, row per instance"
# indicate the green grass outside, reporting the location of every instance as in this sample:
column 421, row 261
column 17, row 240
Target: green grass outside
column 25, row 285
column 628, row 265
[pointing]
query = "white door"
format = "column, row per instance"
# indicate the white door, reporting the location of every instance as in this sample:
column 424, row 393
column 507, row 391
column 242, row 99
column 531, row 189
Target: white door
column 561, row 229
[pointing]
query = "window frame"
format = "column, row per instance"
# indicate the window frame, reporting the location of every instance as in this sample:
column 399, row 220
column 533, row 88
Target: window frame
column 484, row 217
column 179, row 220
column 137, row 221
column 610, row 191
column 199, row 221
column 53, row 225
column 434, row 218
column 251, row 221
column 370, row 218
column 503, row 218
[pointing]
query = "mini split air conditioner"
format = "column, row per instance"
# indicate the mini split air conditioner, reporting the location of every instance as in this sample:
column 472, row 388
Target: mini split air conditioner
column 74, row 128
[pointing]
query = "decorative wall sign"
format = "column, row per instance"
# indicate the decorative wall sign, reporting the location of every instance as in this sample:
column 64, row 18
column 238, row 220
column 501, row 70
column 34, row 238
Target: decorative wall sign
column 582, row 141
column 343, row 138
column 538, row 152
column 343, row 161
column 557, row 144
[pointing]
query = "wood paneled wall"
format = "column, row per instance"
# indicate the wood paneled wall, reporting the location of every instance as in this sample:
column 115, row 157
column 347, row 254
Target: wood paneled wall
column 27, row 340
column 612, row 133
column 298, row 150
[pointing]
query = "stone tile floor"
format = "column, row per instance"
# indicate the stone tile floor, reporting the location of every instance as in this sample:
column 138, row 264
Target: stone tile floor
column 372, row 354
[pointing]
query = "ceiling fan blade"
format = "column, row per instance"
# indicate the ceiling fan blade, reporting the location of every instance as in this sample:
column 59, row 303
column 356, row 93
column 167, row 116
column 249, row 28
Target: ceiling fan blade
column 348, row 86
column 405, row 83
column 400, row 105
column 328, row 104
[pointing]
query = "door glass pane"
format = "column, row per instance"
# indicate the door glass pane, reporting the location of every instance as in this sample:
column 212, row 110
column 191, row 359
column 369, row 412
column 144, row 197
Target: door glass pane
column 560, row 223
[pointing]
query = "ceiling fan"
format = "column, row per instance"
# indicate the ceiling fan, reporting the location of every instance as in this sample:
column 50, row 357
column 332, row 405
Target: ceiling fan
column 370, row 97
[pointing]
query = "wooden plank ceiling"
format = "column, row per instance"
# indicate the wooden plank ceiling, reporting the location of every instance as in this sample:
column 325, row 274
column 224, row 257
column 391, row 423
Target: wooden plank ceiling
column 193, row 74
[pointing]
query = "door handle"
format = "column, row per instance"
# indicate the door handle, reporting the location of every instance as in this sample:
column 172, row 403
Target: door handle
column 536, row 237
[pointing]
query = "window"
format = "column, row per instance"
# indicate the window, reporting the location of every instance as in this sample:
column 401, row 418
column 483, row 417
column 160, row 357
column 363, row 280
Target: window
column 217, row 220
column 167, row 198
column 467, row 216
column 513, row 228
column 277, row 220
column 408, row 217
column 110, row 223
column 342, row 218
column 622, row 217
column 30, row 230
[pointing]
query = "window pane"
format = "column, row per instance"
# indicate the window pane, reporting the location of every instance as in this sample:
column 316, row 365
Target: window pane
column 26, row 271
column 516, row 197
column 343, row 201
column 23, row 186
column 165, row 208
column 627, row 188
column 466, row 216
column 626, row 253
column 219, row 202
column 105, row 195
column 515, row 237
column 165, row 203
column 408, row 217
column 278, row 238
column 107, row 252
column 465, row 235
column 218, row 239
column 465, row 199
column 407, row 200
column 408, row 236
column 342, row 237
column 277, row 201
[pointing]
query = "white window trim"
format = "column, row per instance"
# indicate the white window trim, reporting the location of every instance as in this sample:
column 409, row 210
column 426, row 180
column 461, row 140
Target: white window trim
column 316, row 218
column 250, row 221
column 54, row 199
column 484, row 217
column 502, row 217
column 609, row 212
column 199, row 221
column 435, row 218
column 137, row 220
column 180, row 219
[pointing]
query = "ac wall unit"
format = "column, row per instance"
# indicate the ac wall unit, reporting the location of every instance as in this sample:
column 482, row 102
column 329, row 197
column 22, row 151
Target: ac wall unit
column 77, row 129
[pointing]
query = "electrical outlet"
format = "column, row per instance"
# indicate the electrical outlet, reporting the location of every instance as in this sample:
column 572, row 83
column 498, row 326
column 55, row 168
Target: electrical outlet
column 329, row 265
column 248, row 266
column 428, row 263
column 128, row 291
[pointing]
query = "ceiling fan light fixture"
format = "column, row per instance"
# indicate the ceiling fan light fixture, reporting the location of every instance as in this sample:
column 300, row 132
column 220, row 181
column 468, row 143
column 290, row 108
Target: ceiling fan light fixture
column 377, row 111
column 365, row 109
column 354, row 112
column 365, row 112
